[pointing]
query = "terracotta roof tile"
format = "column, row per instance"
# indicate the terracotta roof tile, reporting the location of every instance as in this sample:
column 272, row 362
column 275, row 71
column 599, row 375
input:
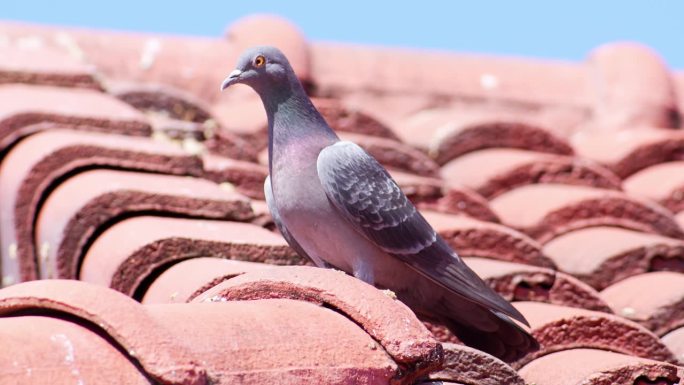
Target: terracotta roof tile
column 655, row 300
column 131, row 253
column 674, row 340
column 395, row 155
column 192, row 63
column 247, row 178
column 629, row 151
column 162, row 99
column 492, row 172
column 564, row 328
column 87, row 203
column 458, row 138
column 159, row 354
column 474, row 238
column 635, row 87
column 185, row 344
column 520, row 282
column 346, row 117
column 597, row 367
column 434, row 194
column 45, row 66
column 185, row 280
column 603, row 255
column 465, row 365
column 23, row 107
column 545, row 211
column 43, row 350
column 399, row 332
column 34, row 167
column 663, row 183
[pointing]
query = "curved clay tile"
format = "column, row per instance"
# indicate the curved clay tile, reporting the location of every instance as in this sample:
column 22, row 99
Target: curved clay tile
column 24, row 106
column 382, row 316
column 598, row 367
column 563, row 328
column 491, row 172
column 86, row 204
column 655, row 300
column 630, row 150
column 46, row 66
column 344, row 118
column 662, row 183
column 160, row 354
column 545, row 211
column 35, row 165
column 132, row 252
column 188, row 343
column 185, row 280
column 247, row 178
column 603, row 255
column 396, row 155
column 519, row 282
column 454, row 140
column 164, row 99
column 674, row 340
column 468, row 366
column 474, row 238
column 433, row 194
column 634, row 86
column 47, row 350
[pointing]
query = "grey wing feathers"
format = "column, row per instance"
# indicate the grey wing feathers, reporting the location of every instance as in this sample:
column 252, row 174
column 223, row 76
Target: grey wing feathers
column 363, row 192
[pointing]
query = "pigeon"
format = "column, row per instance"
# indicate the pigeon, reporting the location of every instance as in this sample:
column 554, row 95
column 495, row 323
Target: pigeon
column 335, row 204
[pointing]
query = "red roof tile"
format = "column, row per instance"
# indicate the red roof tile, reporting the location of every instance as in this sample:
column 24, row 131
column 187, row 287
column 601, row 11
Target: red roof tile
column 89, row 202
column 186, row 344
column 492, row 172
column 34, row 166
column 663, row 183
column 402, row 335
column 185, row 280
column 564, row 328
column 460, row 138
column 520, row 282
column 474, row 238
column 45, row 66
column 674, row 340
column 433, row 194
column 129, row 254
column 634, row 87
column 396, row 155
column 655, row 300
column 248, row 178
column 546, row 211
column 601, row 256
column 346, row 117
column 598, row 367
column 23, row 107
column 465, row 365
column 632, row 150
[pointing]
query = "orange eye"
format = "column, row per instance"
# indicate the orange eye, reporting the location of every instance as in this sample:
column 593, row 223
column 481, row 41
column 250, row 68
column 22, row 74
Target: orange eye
column 259, row 61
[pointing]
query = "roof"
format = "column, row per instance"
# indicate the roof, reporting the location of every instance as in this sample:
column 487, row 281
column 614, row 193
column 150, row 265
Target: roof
column 133, row 230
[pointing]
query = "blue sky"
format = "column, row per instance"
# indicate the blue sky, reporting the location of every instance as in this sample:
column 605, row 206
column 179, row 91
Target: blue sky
column 523, row 28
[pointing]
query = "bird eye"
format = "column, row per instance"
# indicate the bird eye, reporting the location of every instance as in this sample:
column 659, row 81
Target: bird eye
column 259, row 61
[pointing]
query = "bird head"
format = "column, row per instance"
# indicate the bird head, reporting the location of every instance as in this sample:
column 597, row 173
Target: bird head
column 258, row 67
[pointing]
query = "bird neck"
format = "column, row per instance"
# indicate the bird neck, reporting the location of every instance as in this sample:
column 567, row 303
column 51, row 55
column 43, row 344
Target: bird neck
column 292, row 118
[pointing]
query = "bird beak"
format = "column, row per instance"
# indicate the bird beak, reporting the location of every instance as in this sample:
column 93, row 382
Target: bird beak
column 233, row 78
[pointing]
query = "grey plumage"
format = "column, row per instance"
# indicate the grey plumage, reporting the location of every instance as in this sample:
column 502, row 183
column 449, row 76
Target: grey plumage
column 335, row 204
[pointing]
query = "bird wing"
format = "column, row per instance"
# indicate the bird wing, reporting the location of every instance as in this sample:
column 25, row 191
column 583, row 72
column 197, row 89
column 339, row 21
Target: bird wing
column 367, row 196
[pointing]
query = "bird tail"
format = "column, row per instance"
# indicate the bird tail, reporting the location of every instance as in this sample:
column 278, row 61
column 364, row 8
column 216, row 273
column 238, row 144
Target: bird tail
column 490, row 331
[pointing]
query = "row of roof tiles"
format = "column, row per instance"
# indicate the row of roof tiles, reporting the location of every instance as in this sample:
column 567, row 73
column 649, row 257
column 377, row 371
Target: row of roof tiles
column 154, row 192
